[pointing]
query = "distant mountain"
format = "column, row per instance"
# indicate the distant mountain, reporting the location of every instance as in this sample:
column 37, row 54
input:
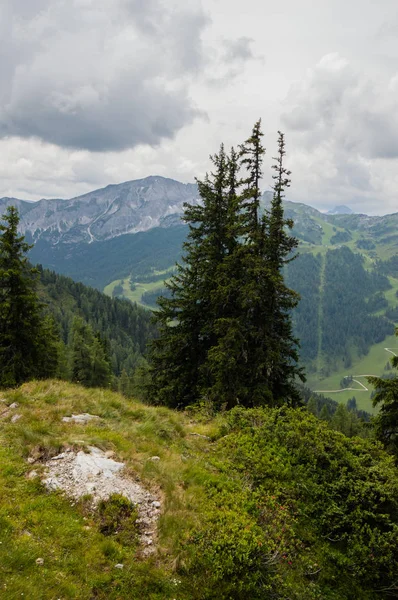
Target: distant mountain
column 135, row 227
column 115, row 210
column 341, row 210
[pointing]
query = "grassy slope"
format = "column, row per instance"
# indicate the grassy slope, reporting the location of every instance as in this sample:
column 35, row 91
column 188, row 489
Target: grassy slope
column 134, row 295
column 77, row 558
column 140, row 287
column 251, row 494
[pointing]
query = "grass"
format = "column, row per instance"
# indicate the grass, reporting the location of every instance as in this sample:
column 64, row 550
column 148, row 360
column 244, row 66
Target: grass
column 79, row 560
column 248, row 507
column 136, row 294
column 371, row 364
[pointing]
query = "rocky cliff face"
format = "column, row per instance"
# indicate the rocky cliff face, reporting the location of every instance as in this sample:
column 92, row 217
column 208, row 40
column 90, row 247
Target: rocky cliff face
column 115, row 210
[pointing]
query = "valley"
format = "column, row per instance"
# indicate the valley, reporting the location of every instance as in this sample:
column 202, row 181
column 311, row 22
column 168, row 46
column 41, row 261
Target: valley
column 125, row 240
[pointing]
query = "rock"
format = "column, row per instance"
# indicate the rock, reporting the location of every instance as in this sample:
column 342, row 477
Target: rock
column 15, row 418
column 32, row 474
column 92, row 472
column 59, row 456
column 40, row 561
column 119, row 566
column 80, row 419
column 31, row 460
column 14, row 405
column 109, row 454
column 52, row 483
column 155, row 458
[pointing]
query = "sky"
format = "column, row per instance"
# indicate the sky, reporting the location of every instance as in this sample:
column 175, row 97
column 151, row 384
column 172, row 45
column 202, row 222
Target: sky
column 94, row 92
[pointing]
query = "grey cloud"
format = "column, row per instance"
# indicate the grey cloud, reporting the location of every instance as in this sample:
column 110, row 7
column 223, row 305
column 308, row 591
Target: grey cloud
column 337, row 104
column 98, row 75
column 238, row 50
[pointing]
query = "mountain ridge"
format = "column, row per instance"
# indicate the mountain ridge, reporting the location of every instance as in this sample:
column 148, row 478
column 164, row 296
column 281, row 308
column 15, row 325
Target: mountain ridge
column 117, row 209
column 140, row 205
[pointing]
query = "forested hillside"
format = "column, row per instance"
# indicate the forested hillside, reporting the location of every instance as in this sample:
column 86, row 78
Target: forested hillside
column 123, row 327
column 335, row 318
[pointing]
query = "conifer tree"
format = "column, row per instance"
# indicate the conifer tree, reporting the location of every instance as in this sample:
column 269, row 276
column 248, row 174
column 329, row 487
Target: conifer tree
column 226, row 333
column 386, row 421
column 89, row 362
column 28, row 340
column 186, row 320
column 266, row 300
column 279, row 245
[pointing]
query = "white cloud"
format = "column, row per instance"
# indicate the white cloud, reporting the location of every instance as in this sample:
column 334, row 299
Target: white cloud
column 343, row 126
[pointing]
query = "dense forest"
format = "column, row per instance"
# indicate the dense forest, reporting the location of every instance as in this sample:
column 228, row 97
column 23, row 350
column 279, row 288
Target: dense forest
column 338, row 300
column 124, row 328
column 99, row 263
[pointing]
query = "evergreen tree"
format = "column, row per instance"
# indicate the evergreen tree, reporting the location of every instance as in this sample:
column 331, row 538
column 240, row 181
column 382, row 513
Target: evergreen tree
column 279, row 245
column 89, row 363
column 386, row 422
column 187, row 319
column 28, row 339
column 267, row 300
column 225, row 333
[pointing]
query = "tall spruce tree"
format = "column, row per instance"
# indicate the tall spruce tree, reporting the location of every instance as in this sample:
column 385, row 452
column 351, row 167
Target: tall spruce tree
column 28, row 340
column 279, row 246
column 186, row 320
column 266, row 301
column 225, row 333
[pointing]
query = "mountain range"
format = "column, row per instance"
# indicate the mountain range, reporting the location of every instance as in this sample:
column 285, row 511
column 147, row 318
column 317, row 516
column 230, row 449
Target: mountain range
column 157, row 202
column 125, row 239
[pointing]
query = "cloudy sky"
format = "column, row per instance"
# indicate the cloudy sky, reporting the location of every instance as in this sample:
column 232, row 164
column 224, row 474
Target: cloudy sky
column 102, row 91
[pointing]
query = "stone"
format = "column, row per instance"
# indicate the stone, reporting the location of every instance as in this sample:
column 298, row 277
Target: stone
column 80, row 473
column 82, row 419
column 14, row 405
column 155, row 458
column 15, row 418
column 119, row 566
column 40, row 561
column 32, row 474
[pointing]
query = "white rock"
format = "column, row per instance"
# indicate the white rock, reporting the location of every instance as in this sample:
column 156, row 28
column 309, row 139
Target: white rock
column 155, row 458
column 59, row 456
column 81, row 473
column 15, row 418
column 80, row 419
column 40, row 561
column 119, row 566
column 14, row 405
column 32, row 474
